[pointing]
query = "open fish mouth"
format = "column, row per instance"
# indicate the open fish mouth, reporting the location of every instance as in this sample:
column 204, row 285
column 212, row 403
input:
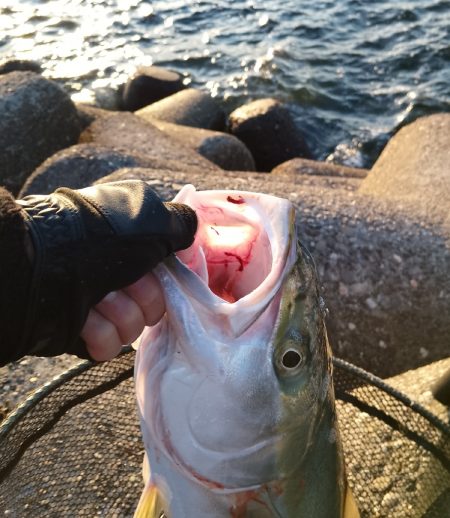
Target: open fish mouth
column 231, row 251
column 243, row 250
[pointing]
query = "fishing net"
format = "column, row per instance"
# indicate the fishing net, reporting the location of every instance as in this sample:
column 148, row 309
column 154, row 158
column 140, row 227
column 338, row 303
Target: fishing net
column 74, row 448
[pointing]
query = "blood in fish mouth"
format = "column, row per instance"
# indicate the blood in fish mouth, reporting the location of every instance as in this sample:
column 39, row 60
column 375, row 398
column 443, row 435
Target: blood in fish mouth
column 237, row 200
column 236, row 254
column 225, row 262
column 241, row 261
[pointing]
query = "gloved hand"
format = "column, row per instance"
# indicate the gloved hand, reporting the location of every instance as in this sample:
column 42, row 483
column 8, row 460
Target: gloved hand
column 86, row 244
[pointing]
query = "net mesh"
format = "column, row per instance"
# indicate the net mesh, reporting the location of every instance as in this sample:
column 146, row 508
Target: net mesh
column 74, row 448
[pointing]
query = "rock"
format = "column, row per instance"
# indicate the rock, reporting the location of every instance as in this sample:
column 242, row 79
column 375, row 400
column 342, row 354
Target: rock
column 221, row 149
column 148, row 85
column 37, row 118
column 270, row 133
column 132, row 134
column 188, row 107
column 413, row 170
column 19, row 65
column 357, row 243
column 81, row 165
column 302, row 166
column 87, row 114
column 155, row 177
column 108, row 98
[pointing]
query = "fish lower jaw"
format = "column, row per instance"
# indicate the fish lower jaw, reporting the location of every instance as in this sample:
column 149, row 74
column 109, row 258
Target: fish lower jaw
column 231, row 470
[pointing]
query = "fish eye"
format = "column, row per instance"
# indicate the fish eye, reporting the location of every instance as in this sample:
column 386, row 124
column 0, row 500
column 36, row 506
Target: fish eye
column 291, row 359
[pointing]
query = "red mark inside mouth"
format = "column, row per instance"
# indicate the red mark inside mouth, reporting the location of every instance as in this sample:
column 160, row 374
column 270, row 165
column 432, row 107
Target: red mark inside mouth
column 236, row 256
column 228, row 253
column 240, row 260
column 237, row 200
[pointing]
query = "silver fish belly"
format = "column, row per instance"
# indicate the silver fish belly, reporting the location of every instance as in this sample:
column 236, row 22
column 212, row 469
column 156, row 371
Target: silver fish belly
column 234, row 384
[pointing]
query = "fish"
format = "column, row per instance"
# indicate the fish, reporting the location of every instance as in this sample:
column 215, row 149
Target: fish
column 234, row 384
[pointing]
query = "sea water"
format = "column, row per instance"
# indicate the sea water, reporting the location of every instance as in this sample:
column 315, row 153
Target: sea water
column 352, row 71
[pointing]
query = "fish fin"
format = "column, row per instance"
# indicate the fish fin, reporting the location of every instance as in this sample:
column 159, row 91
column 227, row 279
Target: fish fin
column 151, row 504
column 350, row 507
column 145, row 469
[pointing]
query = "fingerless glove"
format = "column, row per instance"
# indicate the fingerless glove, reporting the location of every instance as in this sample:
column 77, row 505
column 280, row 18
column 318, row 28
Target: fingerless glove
column 15, row 275
column 88, row 243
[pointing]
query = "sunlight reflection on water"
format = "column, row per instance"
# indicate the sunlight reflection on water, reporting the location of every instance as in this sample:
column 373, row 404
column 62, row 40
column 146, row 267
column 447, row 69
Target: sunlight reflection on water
column 353, row 71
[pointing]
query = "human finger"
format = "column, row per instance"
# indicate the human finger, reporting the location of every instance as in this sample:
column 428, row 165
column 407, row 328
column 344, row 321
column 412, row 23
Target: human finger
column 147, row 293
column 101, row 337
column 124, row 313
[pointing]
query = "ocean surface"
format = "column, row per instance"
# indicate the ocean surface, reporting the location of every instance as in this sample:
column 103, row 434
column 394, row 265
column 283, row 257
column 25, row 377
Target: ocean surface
column 352, row 71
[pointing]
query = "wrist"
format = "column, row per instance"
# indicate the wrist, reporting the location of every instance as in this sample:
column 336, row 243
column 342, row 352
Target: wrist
column 15, row 278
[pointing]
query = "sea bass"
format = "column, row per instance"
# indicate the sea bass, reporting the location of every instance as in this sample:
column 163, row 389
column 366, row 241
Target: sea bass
column 234, row 384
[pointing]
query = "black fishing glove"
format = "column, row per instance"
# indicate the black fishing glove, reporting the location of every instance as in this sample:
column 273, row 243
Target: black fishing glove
column 88, row 243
